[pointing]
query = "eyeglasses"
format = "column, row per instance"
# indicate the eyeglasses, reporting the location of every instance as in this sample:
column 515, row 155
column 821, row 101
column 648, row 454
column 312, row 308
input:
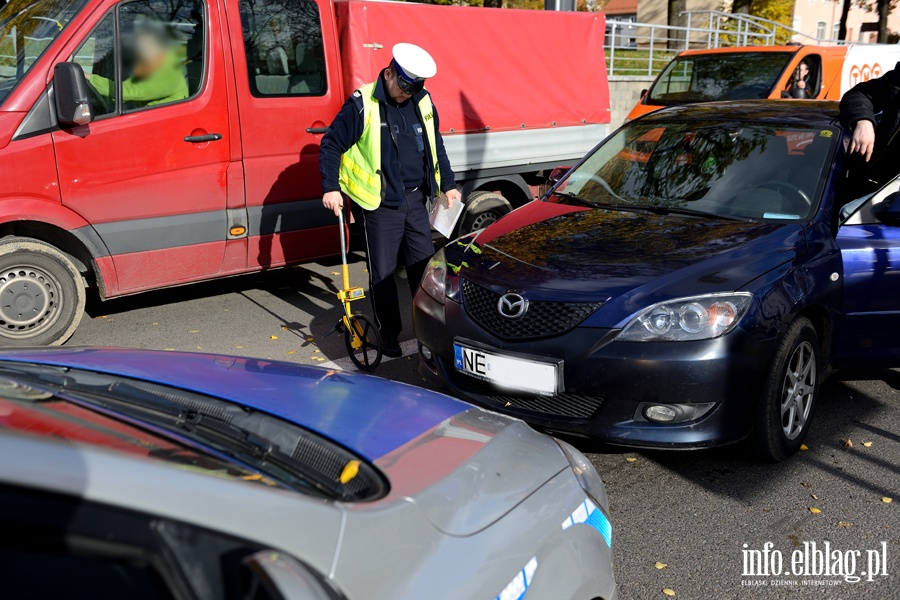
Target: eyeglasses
column 409, row 87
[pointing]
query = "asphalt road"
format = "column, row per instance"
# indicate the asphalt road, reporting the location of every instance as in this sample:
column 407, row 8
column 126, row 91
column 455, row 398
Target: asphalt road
column 681, row 519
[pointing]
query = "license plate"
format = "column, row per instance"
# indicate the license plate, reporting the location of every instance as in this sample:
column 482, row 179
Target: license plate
column 507, row 371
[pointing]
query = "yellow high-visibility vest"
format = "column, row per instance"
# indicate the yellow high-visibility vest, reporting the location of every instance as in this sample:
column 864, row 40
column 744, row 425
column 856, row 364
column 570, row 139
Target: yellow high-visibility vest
column 360, row 174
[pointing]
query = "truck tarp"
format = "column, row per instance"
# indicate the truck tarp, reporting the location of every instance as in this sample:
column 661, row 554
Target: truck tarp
column 498, row 69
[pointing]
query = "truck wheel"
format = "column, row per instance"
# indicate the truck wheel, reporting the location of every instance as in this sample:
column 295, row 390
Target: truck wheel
column 790, row 394
column 482, row 209
column 42, row 294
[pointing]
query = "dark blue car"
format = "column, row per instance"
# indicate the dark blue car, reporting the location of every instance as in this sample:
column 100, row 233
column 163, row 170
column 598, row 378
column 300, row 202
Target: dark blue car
column 688, row 284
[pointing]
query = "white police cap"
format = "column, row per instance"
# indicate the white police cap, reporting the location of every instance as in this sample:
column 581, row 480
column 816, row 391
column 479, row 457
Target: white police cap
column 414, row 62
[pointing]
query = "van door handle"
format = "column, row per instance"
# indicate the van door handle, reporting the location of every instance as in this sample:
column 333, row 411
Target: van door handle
column 209, row 137
column 316, row 129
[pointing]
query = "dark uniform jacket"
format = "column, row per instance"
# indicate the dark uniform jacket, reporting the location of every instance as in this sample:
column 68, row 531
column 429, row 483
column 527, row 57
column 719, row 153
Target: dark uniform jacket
column 863, row 102
column 347, row 128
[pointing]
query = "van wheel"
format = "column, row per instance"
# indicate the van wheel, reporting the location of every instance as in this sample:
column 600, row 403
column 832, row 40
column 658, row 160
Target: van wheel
column 42, row 294
column 482, row 209
column 790, row 394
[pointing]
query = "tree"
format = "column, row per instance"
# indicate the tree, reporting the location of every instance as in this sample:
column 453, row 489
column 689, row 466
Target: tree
column 842, row 27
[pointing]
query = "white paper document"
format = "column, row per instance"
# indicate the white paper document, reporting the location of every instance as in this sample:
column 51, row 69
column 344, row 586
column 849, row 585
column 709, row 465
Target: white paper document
column 443, row 217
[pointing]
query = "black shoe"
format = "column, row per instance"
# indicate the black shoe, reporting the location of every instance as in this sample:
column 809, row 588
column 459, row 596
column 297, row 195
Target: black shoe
column 391, row 348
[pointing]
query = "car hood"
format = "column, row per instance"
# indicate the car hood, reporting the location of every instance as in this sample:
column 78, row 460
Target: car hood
column 472, row 469
column 462, row 466
column 546, row 248
column 368, row 415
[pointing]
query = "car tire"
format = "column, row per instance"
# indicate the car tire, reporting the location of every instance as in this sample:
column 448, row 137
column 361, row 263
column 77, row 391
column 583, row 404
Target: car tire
column 482, row 209
column 790, row 394
column 42, row 294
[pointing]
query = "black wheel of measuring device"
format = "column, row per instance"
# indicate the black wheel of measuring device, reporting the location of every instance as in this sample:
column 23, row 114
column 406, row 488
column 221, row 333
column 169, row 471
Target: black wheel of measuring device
column 368, row 355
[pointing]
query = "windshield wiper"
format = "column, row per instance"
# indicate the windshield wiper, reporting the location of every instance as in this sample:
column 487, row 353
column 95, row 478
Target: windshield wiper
column 576, row 198
column 659, row 209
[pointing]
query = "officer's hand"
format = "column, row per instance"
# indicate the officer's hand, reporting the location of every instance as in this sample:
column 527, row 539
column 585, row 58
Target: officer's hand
column 453, row 196
column 863, row 140
column 333, row 201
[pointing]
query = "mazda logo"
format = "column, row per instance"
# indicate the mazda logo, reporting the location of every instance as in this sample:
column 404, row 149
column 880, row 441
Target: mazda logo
column 512, row 305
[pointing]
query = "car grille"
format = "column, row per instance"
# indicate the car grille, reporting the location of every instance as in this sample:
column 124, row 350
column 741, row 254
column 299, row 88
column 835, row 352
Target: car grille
column 542, row 319
column 571, row 406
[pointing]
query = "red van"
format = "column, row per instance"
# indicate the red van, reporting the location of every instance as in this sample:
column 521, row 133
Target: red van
column 150, row 143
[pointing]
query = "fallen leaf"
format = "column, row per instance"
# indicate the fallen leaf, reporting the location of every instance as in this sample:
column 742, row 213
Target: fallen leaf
column 154, row 323
column 292, row 352
column 814, row 510
column 102, row 317
column 805, row 484
column 661, row 565
column 335, row 272
column 848, row 444
column 887, row 500
column 309, row 339
column 238, row 346
column 804, row 447
column 867, row 444
column 845, row 524
column 814, row 497
column 317, row 350
column 630, row 459
column 194, row 331
column 284, row 327
column 273, row 337
column 668, row 591
column 170, row 349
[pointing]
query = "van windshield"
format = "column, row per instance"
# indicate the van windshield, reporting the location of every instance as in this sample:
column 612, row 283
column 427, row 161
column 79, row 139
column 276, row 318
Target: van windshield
column 719, row 76
column 27, row 29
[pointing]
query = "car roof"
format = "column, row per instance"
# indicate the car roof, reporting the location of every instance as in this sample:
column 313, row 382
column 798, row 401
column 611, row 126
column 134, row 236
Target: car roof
column 368, row 415
column 801, row 112
column 747, row 49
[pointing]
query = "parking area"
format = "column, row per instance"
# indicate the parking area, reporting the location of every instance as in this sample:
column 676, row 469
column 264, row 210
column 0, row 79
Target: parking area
column 707, row 515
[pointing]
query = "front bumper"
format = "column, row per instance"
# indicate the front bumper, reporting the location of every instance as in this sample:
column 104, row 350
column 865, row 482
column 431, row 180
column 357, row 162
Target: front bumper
column 607, row 382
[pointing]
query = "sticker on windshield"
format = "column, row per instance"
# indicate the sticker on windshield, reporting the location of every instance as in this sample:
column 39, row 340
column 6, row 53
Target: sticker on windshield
column 826, row 133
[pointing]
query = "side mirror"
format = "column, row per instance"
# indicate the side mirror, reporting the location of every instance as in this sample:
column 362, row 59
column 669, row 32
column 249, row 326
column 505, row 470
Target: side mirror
column 557, row 174
column 273, row 575
column 644, row 92
column 890, row 213
column 72, row 96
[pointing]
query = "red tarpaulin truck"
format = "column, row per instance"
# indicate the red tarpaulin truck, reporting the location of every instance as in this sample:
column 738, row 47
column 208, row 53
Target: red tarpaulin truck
column 192, row 152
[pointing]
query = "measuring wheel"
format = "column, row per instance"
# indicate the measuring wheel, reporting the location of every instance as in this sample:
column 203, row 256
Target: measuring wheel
column 363, row 342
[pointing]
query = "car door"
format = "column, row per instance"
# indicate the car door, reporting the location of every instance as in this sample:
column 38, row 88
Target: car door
column 149, row 173
column 868, row 332
column 288, row 88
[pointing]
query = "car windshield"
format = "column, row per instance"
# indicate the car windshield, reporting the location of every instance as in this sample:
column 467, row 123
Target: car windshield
column 725, row 169
column 27, row 29
column 714, row 77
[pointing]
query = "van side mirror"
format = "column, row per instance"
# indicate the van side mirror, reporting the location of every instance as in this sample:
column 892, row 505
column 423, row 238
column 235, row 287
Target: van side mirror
column 557, row 174
column 72, row 96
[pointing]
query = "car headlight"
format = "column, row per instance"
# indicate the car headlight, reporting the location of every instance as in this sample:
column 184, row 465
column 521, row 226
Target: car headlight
column 440, row 281
column 586, row 474
column 688, row 319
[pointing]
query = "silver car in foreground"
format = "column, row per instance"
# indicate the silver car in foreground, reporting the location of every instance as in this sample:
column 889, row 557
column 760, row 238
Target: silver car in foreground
column 132, row 474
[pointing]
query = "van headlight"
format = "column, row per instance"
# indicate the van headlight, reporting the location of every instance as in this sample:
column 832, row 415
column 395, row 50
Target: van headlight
column 440, row 281
column 688, row 319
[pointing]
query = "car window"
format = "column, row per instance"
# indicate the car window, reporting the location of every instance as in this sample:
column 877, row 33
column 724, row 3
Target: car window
column 805, row 81
column 742, row 170
column 156, row 56
column 284, row 49
column 714, row 77
column 27, row 29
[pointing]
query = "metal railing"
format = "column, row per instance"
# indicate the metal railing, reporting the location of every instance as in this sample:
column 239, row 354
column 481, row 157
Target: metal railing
column 644, row 49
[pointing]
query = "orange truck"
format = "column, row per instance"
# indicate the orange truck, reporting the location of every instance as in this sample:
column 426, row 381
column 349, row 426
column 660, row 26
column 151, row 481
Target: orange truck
column 756, row 72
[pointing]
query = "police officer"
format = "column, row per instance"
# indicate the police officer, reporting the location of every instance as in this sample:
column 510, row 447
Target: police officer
column 384, row 150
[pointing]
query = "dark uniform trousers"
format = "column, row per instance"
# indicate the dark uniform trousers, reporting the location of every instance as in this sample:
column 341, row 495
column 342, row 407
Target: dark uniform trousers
column 395, row 233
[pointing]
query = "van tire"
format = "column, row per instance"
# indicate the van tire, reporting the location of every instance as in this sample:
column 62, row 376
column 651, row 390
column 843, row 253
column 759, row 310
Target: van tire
column 42, row 294
column 482, row 209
